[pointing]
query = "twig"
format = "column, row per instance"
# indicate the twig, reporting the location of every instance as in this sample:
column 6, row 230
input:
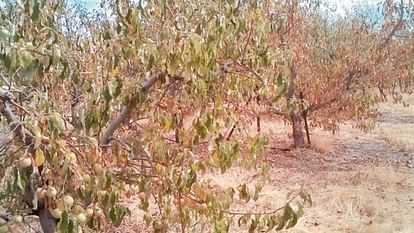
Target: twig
column 124, row 144
column 20, row 107
column 264, row 213
column 151, row 160
column 6, row 81
column 181, row 209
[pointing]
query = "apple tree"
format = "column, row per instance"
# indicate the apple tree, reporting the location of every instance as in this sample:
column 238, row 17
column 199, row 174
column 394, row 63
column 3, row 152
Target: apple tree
column 89, row 107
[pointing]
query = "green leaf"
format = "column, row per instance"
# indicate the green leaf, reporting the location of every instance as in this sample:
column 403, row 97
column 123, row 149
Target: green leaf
column 293, row 218
column 151, row 62
column 25, row 59
column 56, row 123
column 243, row 220
column 64, row 222
column 119, row 86
column 93, row 223
column 107, row 93
column 113, row 197
column 36, row 10
column 254, row 225
column 65, row 70
column 109, row 181
column 258, row 189
column 306, row 197
column 106, row 35
column 244, row 193
column 19, row 182
column 117, row 214
column 4, row 33
column 196, row 43
column 281, row 223
column 189, row 177
column 71, row 226
column 113, row 215
column 268, row 223
column 221, row 226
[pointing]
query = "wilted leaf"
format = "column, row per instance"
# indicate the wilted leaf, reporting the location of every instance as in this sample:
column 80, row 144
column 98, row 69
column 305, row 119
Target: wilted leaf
column 244, row 193
column 39, row 158
column 243, row 220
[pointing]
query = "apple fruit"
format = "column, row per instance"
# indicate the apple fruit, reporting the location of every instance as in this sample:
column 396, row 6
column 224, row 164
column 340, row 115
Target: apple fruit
column 68, row 200
column 81, row 218
column 51, row 192
column 24, row 163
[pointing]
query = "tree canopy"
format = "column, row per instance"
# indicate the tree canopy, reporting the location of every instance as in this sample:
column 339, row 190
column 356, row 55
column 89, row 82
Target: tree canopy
column 145, row 97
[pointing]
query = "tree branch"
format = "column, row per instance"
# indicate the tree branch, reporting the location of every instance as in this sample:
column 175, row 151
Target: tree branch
column 316, row 107
column 126, row 112
column 394, row 29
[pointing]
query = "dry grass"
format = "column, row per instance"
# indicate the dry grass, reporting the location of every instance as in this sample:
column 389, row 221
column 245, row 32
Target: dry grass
column 322, row 142
column 374, row 200
column 397, row 123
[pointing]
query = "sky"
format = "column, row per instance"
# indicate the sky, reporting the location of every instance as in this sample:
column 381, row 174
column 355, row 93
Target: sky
column 342, row 5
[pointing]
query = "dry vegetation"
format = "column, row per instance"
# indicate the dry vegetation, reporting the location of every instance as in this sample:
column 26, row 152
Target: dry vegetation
column 397, row 123
column 362, row 183
column 99, row 109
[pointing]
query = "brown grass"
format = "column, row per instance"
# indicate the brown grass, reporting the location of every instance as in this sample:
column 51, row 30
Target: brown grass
column 397, row 123
column 322, row 143
column 373, row 200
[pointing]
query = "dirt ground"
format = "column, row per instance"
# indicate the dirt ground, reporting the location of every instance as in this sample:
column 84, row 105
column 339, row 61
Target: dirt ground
column 362, row 183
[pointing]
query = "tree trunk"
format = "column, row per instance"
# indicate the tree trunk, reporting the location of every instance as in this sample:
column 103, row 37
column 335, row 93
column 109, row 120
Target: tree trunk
column 295, row 117
column 297, row 130
column 179, row 126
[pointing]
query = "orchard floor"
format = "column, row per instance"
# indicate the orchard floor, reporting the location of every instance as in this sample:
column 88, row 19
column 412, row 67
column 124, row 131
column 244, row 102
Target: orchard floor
column 362, row 183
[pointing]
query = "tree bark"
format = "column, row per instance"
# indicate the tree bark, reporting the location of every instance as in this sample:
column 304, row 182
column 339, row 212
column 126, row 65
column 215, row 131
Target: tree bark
column 305, row 117
column 295, row 117
column 297, row 130
column 126, row 112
